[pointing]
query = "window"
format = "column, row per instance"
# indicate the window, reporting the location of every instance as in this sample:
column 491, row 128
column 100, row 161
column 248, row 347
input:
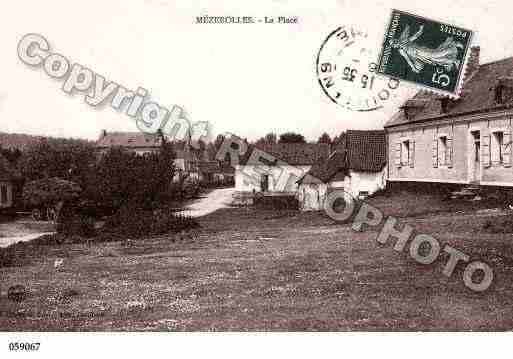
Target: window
column 363, row 195
column 443, row 150
column 405, row 152
column 499, row 98
column 476, row 140
column 498, row 147
column 3, row 194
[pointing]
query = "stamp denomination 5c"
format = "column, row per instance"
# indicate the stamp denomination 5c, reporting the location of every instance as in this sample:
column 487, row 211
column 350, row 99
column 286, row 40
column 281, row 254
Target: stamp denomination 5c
column 426, row 52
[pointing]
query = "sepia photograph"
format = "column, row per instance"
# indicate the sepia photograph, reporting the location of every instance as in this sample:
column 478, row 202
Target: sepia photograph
column 241, row 173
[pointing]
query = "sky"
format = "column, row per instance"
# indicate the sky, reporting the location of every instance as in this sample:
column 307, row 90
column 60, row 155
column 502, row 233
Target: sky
column 245, row 79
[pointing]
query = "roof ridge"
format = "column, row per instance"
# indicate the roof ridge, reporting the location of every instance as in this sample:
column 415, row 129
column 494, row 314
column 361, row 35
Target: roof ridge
column 125, row 133
column 496, row 61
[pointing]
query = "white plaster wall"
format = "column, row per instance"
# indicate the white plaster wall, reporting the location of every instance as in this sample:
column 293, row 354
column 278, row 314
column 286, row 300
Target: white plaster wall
column 179, row 163
column 423, row 170
column 365, row 181
column 281, row 178
column 311, row 196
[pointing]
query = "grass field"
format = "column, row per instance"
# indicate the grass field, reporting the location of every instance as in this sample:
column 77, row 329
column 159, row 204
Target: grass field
column 250, row 269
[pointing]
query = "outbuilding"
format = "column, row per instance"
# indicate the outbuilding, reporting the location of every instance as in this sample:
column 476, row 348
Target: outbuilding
column 358, row 168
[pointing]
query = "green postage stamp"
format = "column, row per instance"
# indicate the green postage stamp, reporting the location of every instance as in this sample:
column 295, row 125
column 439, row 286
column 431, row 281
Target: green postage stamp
column 426, row 52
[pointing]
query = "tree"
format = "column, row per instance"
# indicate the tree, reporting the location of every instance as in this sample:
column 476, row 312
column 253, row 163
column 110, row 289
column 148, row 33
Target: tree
column 63, row 158
column 291, row 137
column 123, row 177
column 340, row 140
column 269, row 139
column 11, row 154
column 325, row 138
column 49, row 191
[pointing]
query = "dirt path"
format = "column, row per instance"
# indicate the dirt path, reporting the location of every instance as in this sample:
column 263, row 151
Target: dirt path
column 217, row 199
column 22, row 230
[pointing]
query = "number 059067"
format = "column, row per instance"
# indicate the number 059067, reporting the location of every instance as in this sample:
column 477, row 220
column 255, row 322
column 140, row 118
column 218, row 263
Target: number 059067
column 18, row 346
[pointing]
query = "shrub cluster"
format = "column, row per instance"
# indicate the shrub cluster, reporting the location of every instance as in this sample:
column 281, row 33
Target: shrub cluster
column 129, row 222
column 499, row 225
column 21, row 253
column 276, row 202
column 135, row 222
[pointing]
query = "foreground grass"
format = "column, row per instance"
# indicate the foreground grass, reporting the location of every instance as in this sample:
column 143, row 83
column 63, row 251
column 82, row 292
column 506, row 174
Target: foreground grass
column 253, row 269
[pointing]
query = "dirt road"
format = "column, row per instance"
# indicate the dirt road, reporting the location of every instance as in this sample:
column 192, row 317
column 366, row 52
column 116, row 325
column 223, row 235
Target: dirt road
column 217, row 199
column 23, row 230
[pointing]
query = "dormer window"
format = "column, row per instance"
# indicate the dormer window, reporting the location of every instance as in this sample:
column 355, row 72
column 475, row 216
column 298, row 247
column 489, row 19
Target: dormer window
column 410, row 112
column 445, row 104
column 499, row 98
column 413, row 107
column 503, row 90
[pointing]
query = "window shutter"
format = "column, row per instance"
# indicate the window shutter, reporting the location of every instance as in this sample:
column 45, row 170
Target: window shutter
column 485, row 151
column 398, row 154
column 411, row 155
column 435, row 151
column 449, row 152
column 506, row 148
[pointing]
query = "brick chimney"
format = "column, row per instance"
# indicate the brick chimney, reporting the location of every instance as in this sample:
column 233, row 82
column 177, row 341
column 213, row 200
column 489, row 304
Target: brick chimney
column 103, row 133
column 473, row 61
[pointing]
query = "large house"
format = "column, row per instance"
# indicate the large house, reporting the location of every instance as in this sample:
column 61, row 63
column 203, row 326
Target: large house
column 357, row 166
column 187, row 160
column 275, row 168
column 457, row 141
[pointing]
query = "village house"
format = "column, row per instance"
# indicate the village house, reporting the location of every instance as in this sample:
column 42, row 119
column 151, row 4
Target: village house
column 216, row 173
column 357, row 166
column 275, row 168
column 187, row 160
column 227, row 174
column 464, row 141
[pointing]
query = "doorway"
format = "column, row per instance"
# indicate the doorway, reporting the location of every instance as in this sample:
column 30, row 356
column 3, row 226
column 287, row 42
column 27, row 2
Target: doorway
column 264, row 183
column 475, row 154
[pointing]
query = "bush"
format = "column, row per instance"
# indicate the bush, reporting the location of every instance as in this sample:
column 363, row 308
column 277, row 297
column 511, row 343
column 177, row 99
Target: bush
column 277, row 202
column 76, row 225
column 49, row 191
column 166, row 221
column 22, row 253
column 136, row 222
column 499, row 225
column 72, row 222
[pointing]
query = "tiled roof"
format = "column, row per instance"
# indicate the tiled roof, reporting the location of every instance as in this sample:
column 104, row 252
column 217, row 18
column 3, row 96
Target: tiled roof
column 291, row 153
column 334, row 166
column 477, row 95
column 128, row 139
column 366, row 150
column 139, row 140
column 18, row 140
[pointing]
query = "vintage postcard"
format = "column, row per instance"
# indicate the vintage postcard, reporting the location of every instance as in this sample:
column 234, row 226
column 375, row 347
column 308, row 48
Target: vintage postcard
column 276, row 166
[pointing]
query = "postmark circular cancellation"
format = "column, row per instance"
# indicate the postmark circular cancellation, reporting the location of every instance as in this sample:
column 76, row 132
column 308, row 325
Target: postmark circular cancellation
column 347, row 71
